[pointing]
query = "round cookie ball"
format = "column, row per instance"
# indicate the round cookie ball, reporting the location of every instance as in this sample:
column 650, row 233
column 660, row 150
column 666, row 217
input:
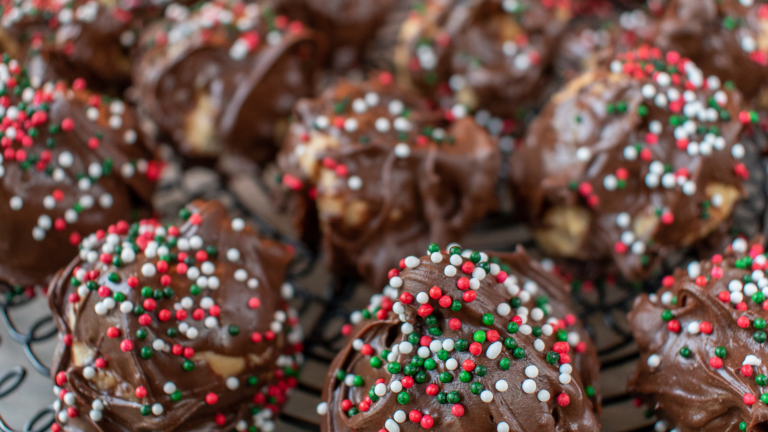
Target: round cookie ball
column 350, row 26
column 71, row 162
column 383, row 175
column 174, row 327
column 492, row 54
column 460, row 341
column 702, row 338
column 76, row 39
column 222, row 78
column 726, row 38
column 633, row 161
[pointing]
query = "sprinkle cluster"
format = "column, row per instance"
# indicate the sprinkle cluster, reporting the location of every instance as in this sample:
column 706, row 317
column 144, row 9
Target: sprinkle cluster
column 654, row 131
column 375, row 113
column 154, row 294
column 745, row 20
column 74, row 146
column 246, row 26
column 380, row 165
column 499, row 69
column 711, row 320
column 448, row 350
column 78, row 30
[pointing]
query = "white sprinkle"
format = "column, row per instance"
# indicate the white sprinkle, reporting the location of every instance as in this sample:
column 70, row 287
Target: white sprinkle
column 494, row 350
column 654, row 360
column 436, row 257
column 148, row 270
column 382, row 124
column 451, row 364
column 391, row 426
column 238, row 224
column 233, row 383
column 531, row 371
column 486, row 396
column 396, row 386
column 501, row 386
column 355, row 183
column 529, row 386
column 89, row 372
column 399, row 416
column 406, row 347
column 737, row 151
column 503, row 309
column 322, row 408
column 543, row 396
column 412, row 262
column 233, row 255
column 402, row 150
column 450, row 270
column 16, row 203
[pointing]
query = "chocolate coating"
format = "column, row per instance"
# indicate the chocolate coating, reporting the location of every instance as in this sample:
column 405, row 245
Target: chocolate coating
column 78, row 39
column 612, row 172
column 490, row 54
column 222, row 78
column 72, row 162
column 726, row 38
column 385, row 175
column 510, row 378
column 213, row 324
column 348, row 25
column 702, row 343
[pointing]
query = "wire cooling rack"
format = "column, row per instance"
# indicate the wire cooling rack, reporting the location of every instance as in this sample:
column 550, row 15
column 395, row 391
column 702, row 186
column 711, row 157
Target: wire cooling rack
column 324, row 304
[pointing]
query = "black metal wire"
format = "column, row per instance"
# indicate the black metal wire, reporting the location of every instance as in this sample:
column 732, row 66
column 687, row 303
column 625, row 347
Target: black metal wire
column 13, row 380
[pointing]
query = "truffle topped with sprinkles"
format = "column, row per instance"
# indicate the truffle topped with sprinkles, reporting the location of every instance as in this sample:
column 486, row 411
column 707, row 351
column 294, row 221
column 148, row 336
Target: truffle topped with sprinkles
column 75, row 39
column 461, row 340
column 174, row 327
column 490, row 54
column 383, row 175
column 223, row 76
column 632, row 161
column 727, row 38
column 71, row 161
column 702, row 344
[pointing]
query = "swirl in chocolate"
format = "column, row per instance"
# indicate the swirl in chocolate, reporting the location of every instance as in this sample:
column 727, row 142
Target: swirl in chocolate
column 632, row 161
column 222, row 78
column 72, row 162
column 460, row 341
column 702, row 344
column 182, row 328
column 387, row 175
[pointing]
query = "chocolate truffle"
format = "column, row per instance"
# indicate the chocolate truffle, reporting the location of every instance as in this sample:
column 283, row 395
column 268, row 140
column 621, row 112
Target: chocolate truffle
column 449, row 333
column 174, row 328
column 632, row 161
column 348, row 25
column 72, row 161
column 223, row 77
column 74, row 39
column 726, row 38
column 702, row 341
column 384, row 175
column 490, row 54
